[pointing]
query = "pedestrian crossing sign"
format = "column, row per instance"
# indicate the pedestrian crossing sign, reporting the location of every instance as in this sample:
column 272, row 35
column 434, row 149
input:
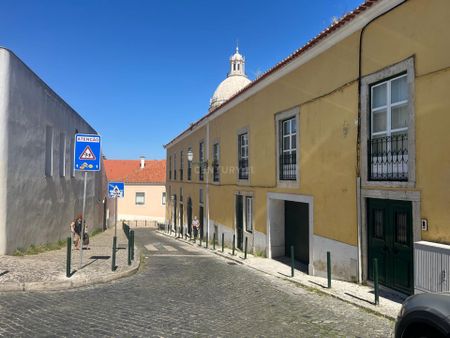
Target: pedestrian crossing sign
column 87, row 152
column 116, row 189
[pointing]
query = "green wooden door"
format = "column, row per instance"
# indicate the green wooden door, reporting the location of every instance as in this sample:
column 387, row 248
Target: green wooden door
column 296, row 230
column 390, row 241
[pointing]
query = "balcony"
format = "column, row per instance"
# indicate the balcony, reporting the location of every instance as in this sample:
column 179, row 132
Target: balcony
column 388, row 158
column 243, row 169
column 201, row 171
column 288, row 166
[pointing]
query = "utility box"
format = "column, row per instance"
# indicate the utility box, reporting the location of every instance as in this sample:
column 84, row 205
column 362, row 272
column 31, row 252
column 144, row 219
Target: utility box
column 432, row 266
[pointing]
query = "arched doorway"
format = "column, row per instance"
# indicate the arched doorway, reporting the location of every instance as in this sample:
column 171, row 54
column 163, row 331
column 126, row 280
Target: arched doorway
column 189, row 216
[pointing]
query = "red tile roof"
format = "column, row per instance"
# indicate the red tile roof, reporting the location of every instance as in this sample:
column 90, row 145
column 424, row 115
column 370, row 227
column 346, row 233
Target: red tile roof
column 129, row 171
column 322, row 35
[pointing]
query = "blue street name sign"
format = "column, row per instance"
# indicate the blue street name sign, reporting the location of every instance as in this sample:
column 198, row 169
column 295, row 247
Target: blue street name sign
column 116, row 189
column 87, row 152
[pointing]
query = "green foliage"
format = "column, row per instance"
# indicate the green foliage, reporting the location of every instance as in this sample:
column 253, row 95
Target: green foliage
column 37, row 249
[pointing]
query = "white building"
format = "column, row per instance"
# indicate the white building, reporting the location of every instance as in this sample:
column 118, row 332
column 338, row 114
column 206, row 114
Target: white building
column 39, row 191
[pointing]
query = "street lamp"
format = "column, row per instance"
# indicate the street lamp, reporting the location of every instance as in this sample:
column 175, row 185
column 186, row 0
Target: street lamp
column 190, row 157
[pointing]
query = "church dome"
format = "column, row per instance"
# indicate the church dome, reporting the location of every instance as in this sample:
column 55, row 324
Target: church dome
column 235, row 81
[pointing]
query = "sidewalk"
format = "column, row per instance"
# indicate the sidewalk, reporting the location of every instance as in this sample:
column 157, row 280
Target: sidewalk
column 47, row 271
column 359, row 295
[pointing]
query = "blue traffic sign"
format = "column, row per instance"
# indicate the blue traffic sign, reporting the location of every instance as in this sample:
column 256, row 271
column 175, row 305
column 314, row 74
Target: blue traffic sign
column 87, row 152
column 116, row 189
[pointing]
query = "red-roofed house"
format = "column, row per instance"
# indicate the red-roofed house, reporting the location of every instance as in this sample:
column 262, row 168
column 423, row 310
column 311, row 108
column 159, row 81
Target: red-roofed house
column 145, row 192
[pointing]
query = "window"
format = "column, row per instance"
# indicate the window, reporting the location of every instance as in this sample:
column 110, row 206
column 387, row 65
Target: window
column 174, row 166
column 288, row 149
column 170, row 168
column 140, row 198
column 388, row 144
column 62, row 154
column 243, row 156
column 216, row 174
column 163, row 198
column 201, row 196
column 189, row 166
column 181, row 194
column 48, row 151
column 248, row 214
column 181, row 165
column 201, row 155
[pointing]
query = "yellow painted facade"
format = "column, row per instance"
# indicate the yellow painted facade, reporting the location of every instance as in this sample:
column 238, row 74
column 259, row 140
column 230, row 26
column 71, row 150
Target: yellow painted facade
column 324, row 90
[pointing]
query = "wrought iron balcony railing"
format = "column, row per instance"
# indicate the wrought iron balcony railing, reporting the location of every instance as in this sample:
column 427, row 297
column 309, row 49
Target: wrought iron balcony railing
column 288, row 166
column 243, row 169
column 388, row 158
column 181, row 174
column 215, row 171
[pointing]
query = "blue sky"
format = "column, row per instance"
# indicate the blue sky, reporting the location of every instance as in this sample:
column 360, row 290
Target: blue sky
column 140, row 71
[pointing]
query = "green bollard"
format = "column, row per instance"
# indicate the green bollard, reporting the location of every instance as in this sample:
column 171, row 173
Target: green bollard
column 245, row 252
column 200, row 237
column 329, row 269
column 132, row 244
column 292, row 261
column 214, row 241
column 234, row 246
column 114, row 248
column 375, row 281
column 207, row 238
column 223, row 242
column 129, row 250
column 69, row 256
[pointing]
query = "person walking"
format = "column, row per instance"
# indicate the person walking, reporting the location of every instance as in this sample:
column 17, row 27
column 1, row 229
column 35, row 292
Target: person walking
column 195, row 226
column 76, row 228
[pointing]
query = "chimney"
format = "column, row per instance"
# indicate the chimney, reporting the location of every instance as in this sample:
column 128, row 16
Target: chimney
column 142, row 162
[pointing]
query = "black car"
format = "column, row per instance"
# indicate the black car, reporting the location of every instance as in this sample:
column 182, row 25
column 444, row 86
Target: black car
column 425, row 315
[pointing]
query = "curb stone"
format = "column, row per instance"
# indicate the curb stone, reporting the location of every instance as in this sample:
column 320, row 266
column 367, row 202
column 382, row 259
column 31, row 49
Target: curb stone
column 70, row 284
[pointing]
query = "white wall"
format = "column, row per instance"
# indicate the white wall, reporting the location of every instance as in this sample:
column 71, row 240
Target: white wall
column 39, row 209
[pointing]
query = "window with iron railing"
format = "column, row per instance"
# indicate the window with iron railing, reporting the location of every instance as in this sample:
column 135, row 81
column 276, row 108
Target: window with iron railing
column 181, row 165
column 288, row 149
column 243, row 156
column 174, row 166
column 216, row 175
column 170, row 168
column 201, row 169
column 387, row 147
column 189, row 167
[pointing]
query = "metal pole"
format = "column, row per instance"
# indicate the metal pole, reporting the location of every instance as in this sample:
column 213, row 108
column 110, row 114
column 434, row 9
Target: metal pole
column 292, row 261
column 234, row 237
column 207, row 239
column 113, row 262
column 375, row 281
column 129, row 249
column 223, row 236
column 132, row 244
column 83, row 220
column 69, row 256
column 115, row 212
column 214, row 241
column 329, row 269
column 245, row 252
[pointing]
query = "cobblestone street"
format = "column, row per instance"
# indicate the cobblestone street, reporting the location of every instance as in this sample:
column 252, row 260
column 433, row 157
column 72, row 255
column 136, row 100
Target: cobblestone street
column 181, row 291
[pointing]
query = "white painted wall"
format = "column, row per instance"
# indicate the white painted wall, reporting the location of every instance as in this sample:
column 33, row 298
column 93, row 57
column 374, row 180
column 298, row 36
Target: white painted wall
column 38, row 209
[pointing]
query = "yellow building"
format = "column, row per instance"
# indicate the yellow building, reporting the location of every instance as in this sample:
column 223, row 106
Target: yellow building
column 340, row 147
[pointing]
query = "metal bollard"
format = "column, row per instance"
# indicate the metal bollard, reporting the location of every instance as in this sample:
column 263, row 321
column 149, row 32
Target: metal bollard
column 375, row 281
column 223, row 237
column 113, row 259
column 245, row 252
column 292, row 261
column 69, row 256
column 132, row 244
column 329, row 269
column 234, row 246
column 129, row 250
column 214, row 241
column 200, row 240
column 207, row 238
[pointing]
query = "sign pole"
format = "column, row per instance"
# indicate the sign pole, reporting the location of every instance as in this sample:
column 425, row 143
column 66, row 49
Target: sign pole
column 115, row 216
column 84, row 220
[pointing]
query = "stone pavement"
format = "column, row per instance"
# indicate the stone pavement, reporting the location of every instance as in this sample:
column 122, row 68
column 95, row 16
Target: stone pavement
column 47, row 271
column 359, row 295
column 182, row 290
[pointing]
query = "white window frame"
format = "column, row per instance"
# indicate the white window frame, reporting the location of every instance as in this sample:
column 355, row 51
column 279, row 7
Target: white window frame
column 141, row 194
column 406, row 66
column 243, row 152
column 279, row 118
column 62, row 154
column 248, row 213
column 163, row 198
column 216, row 158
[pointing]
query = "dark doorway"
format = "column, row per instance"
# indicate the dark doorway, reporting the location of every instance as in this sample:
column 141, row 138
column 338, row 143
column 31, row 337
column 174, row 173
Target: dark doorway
column 296, row 231
column 390, row 242
column 175, row 216
column 181, row 219
column 200, row 216
column 189, row 216
column 239, row 221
